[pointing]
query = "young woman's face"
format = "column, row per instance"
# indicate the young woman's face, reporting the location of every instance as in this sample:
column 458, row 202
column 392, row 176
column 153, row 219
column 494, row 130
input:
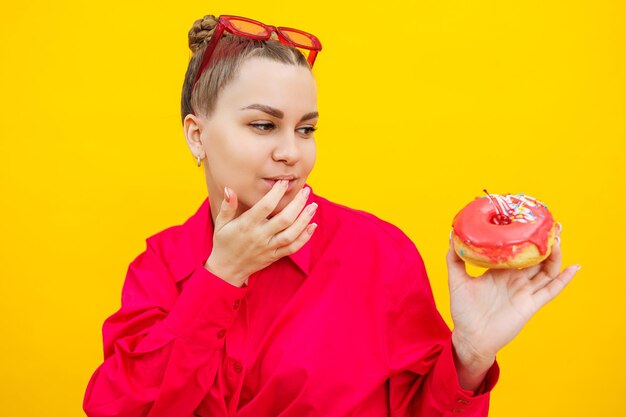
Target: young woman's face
column 261, row 130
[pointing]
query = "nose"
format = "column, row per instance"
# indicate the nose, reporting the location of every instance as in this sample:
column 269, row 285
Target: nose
column 286, row 149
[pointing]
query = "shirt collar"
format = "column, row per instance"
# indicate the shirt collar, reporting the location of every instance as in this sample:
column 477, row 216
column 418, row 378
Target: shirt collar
column 194, row 244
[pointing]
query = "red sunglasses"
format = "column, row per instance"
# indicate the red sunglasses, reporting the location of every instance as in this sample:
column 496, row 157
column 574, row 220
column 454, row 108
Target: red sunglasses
column 248, row 28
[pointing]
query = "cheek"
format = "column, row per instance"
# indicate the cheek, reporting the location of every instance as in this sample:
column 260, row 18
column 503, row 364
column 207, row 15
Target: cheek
column 235, row 170
column 231, row 152
column 309, row 156
column 237, row 163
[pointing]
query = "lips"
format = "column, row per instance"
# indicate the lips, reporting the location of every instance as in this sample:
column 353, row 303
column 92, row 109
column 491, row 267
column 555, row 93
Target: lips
column 272, row 180
column 282, row 177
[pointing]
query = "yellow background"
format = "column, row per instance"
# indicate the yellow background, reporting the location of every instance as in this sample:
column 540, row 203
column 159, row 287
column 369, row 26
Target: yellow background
column 423, row 104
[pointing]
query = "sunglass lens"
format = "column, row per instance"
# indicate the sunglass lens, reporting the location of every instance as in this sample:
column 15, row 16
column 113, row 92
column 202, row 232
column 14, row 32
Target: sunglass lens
column 249, row 28
column 297, row 38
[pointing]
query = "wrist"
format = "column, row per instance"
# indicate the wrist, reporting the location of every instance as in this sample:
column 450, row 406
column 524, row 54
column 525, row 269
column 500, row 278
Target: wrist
column 227, row 274
column 469, row 355
column 471, row 364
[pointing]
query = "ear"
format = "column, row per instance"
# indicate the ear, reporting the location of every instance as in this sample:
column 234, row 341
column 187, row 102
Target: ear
column 193, row 126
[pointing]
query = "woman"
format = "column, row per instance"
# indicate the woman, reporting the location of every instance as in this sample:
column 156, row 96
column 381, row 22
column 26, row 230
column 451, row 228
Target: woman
column 250, row 308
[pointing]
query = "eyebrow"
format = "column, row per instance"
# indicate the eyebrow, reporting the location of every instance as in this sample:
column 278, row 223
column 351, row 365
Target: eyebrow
column 278, row 113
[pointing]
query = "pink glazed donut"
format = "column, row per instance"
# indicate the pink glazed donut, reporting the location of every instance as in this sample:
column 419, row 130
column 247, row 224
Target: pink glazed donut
column 504, row 231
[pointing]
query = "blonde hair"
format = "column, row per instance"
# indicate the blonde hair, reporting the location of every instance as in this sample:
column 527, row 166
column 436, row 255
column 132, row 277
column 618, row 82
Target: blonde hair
column 230, row 52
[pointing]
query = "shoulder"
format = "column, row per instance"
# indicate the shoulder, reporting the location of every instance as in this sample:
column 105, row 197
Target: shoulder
column 364, row 229
column 192, row 231
column 154, row 261
column 373, row 248
column 181, row 247
column 165, row 240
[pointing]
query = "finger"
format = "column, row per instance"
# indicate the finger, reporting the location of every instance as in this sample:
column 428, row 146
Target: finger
column 531, row 278
column 552, row 265
column 266, row 205
column 543, row 295
column 539, row 281
column 531, row 272
column 290, row 234
column 456, row 267
column 294, row 246
column 289, row 214
column 228, row 208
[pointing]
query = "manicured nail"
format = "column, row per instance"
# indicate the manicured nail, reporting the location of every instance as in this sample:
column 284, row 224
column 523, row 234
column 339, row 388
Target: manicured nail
column 557, row 239
column 578, row 267
column 311, row 209
column 305, row 192
column 227, row 194
column 311, row 228
column 560, row 227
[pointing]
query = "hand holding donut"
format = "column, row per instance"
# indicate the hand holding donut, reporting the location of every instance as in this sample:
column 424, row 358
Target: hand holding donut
column 248, row 243
column 490, row 310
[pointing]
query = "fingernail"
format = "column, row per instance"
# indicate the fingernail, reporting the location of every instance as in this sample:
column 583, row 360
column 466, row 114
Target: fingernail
column 559, row 226
column 578, row 267
column 311, row 209
column 305, row 192
column 226, row 194
column 450, row 234
column 558, row 240
column 311, row 228
column 284, row 183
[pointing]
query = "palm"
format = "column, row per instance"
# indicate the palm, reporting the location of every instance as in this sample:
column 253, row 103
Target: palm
column 492, row 309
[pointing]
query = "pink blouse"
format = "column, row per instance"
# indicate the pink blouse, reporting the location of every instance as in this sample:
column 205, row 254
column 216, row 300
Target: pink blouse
column 346, row 326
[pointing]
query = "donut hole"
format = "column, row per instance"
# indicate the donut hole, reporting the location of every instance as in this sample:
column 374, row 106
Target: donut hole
column 499, row 219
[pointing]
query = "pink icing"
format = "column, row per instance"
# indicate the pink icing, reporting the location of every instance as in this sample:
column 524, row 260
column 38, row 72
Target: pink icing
column 474, row 226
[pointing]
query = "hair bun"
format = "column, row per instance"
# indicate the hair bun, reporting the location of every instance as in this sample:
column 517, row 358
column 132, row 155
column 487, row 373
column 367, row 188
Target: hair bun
column 201, row 32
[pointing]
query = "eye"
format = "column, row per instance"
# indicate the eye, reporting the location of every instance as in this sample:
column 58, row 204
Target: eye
column 264, row 127
column 307, row 130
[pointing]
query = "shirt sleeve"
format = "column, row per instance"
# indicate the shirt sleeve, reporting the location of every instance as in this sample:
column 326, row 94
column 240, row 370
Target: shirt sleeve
column 163, row 347
column 424, row 379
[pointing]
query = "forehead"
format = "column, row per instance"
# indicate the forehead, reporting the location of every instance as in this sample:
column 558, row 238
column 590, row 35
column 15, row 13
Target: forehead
column 290, row 88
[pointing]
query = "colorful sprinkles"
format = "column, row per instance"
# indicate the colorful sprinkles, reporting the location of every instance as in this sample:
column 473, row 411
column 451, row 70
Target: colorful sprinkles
column 517, row 207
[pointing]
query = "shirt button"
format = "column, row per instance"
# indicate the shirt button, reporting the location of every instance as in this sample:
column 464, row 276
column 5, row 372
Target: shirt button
column 236, row 304
column 237, row 367
column 221, row 334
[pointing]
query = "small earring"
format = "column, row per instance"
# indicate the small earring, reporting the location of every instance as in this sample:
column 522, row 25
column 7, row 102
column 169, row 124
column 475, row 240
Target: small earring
column 198, row 160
